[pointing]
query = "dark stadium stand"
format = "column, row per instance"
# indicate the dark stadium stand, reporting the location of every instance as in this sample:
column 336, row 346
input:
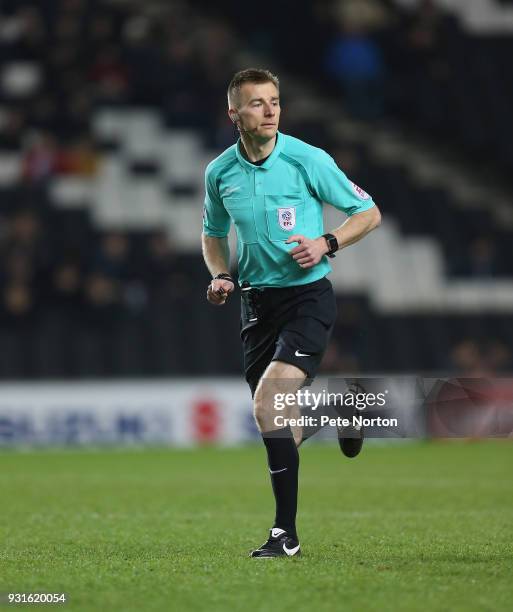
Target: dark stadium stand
column 81, row 300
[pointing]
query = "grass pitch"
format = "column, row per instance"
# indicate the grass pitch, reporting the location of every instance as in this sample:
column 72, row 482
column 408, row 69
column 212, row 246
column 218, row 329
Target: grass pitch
column 424, row 526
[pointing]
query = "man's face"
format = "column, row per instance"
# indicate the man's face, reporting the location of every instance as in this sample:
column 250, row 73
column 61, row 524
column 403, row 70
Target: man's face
column 258, row 108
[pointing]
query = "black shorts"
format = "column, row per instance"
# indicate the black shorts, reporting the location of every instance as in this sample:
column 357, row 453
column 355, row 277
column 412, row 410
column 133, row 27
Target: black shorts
column 293, row 325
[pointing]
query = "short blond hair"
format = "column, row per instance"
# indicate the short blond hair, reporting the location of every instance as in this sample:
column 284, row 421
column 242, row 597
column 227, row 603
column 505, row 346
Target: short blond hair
column 250, row 75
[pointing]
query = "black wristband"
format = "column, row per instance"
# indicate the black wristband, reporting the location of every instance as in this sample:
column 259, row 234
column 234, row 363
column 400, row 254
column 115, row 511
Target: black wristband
column 332, row 243
column 224, row 276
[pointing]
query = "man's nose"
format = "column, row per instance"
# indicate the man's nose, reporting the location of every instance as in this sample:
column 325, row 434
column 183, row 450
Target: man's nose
column 269, row 110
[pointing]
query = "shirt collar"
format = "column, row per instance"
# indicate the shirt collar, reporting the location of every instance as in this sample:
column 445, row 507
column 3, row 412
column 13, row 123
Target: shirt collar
column 278, row 148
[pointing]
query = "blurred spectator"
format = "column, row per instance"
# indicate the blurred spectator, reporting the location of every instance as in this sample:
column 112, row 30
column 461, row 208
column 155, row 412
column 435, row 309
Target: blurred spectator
column 223, row 131
column 185, row 84
column 66, row 29
column 45, row 158
column 77, row 109
column 165, row 275
column 18, row 266
column 24, row 236
column 350, row 327
column 356, row 62
column 466, row 359
column 73, row 6
column 112, row 259
column 370, row 15
column 347, row 158
column 102, row 302
column 66, row 288
column 426, row 30
column 336, row 361
column 422, row 63
column 147, row 66
column 477, row 259
column 101, row 30
column 109, row 75
column 12, row 126
column 482, row 258
column 23, row 35
column 486, row 359
column 113, row 264
column 24, row 259
column 499, row 357
column 40, row 160
column 215, row 47
column 45, row 114
column 18, row 306
column 80, row 158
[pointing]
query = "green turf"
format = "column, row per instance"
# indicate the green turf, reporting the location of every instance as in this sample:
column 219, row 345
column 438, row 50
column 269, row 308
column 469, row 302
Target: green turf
column 408, row 527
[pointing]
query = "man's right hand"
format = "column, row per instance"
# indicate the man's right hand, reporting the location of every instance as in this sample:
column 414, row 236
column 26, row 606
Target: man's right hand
column 219, row 290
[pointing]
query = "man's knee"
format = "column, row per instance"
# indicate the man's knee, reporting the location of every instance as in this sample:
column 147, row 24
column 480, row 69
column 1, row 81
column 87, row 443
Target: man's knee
column 263, row 404
column 259, row 409
column 278, row 379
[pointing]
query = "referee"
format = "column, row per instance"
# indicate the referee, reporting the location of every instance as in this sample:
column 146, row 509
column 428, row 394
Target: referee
column 272, row 187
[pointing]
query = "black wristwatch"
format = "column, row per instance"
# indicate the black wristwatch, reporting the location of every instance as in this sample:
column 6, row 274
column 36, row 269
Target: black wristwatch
column 332, row 244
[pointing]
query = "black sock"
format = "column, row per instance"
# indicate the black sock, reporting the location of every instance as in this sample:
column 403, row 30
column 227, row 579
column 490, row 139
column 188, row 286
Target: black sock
column 283, row 459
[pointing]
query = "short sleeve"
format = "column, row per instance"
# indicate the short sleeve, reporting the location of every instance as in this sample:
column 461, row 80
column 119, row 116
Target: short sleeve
column 331, row 185
column 216, row 220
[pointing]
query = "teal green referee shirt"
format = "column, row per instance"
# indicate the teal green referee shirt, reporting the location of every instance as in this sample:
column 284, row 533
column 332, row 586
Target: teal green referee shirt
column 270, row 202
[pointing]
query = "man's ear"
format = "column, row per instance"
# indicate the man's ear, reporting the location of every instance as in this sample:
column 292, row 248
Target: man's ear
column 234, row 116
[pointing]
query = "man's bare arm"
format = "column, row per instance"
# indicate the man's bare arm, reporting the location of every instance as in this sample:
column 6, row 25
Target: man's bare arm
column 356, row 227
column 310, row 252
column 216, row 254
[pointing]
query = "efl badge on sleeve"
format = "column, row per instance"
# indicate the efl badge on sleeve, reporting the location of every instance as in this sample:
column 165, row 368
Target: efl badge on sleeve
column 287, row 218
column 363, row 195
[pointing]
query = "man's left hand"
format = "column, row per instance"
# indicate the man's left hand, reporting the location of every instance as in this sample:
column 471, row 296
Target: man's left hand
column 309, row 252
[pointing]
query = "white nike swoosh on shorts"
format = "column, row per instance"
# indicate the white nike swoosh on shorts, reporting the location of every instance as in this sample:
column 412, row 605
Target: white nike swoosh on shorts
column 298, row 354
